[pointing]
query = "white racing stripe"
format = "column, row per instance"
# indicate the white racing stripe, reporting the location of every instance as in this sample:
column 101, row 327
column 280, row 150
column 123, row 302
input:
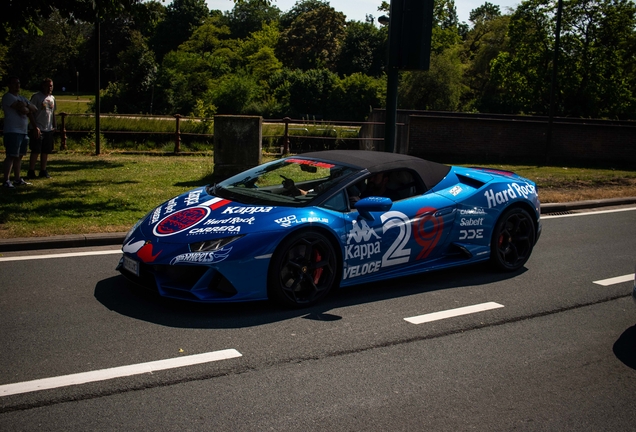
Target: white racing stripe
column 61, row 255
column 615, row 280
column 116, row 372
column 453, row 313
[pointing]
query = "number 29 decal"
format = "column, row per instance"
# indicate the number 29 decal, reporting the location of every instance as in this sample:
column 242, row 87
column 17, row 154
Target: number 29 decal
column 397, row 253
column 427, row 228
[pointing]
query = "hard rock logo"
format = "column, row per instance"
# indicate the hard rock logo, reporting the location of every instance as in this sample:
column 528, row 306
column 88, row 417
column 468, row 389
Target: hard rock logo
column 181, row 221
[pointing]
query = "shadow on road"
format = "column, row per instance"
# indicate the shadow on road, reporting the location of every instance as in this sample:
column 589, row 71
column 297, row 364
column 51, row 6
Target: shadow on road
column 122, row 296
column 625, row 347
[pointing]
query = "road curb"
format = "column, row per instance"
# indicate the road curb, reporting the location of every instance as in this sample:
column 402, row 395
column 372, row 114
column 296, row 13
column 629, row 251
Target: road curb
column 59, row 242
column 581, row 205
column 109, row 239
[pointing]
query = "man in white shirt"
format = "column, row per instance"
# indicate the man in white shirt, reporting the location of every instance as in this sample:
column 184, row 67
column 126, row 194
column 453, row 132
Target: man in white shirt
column 17, row 113
column 44, row 101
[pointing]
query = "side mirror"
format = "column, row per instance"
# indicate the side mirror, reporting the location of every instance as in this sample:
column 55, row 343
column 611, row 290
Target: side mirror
column 372, row 204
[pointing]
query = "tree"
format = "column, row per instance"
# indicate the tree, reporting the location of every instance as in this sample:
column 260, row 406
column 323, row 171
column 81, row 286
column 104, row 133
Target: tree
column 521, row 74
column 20, row 15
column 363, row 50
column 185, row 77
column 301, row 7
column 596, row 63
column 483, row 43
column 34, row 57
column 440, row 88
column 313, row 39
column 182, row 19
column 249, row 16
column 304, row 93
column 136, row 73
column 354, row 97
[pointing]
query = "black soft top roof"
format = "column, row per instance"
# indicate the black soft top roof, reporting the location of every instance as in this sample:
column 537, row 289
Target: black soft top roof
column 430, row 172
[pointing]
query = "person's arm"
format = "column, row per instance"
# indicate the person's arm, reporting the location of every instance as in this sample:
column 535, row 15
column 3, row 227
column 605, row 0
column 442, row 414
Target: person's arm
column 32, row 109
column 54, row 117
column 20, row 107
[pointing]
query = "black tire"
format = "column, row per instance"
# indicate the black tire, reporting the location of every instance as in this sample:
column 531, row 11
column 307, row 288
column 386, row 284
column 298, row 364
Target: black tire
column 512, row 240
column 303, row 270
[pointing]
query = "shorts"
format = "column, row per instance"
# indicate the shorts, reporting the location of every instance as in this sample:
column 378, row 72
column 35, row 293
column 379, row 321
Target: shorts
column 42, row 145
column 16, row 144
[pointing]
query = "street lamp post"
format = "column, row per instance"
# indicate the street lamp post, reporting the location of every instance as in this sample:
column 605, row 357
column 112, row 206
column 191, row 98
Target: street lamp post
column 77, row 75
column 390, row 122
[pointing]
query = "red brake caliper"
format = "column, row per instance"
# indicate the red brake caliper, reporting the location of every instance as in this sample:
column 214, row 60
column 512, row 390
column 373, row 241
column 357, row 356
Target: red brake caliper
column 318, row 271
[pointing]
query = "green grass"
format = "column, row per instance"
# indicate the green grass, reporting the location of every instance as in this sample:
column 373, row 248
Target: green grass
column 90, row 194
column 73, row 104
column 110, row 192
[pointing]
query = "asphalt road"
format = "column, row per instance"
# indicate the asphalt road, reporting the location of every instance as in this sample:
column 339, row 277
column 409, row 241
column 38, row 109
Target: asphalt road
column 555, row 348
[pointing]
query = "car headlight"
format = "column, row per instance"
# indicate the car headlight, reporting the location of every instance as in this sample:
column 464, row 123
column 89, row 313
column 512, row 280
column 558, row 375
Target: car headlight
column 212, row 245
column 135, row 226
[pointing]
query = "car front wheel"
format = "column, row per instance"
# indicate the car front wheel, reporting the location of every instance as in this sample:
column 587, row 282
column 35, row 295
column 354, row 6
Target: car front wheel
column 303, row 269
column 512, row 240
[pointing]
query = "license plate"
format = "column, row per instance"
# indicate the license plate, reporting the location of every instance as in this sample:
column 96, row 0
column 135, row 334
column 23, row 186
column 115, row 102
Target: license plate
column 131, row 265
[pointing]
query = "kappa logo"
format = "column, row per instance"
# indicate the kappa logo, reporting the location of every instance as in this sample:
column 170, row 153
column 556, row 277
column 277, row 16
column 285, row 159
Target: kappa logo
column 362, row 251
column 361, row 232
column 247, row 210
column 193, row 197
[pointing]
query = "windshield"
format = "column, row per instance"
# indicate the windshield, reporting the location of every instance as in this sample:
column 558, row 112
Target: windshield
column 291, row 181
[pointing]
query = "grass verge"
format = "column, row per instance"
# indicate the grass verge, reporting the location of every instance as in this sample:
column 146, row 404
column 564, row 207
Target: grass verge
column 108, row 193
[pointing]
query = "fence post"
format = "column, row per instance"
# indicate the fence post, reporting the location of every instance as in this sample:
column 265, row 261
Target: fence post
column 63, row 144
column 286, row 136
column 177, row 135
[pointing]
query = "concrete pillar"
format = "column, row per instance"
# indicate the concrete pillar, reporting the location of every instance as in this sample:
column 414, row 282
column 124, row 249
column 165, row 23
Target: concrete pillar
column 237, row 144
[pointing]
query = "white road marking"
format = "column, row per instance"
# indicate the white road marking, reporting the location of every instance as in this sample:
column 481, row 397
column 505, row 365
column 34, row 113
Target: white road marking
column 615, row 280
column 61, row 255
column 116, row 372
column 588, row 213
column 453, row 313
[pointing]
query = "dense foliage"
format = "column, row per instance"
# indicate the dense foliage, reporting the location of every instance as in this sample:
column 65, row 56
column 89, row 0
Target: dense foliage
column 311, row 62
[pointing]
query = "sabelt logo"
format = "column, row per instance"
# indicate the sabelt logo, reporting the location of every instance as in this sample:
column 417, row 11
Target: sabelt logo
column 471, row 222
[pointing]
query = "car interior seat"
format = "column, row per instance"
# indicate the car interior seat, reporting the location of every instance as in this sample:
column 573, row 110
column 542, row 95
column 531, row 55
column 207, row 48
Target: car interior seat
column 402, row 184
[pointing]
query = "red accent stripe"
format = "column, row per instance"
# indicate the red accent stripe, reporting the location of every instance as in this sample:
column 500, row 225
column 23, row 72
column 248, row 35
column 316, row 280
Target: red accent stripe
column 219, row 204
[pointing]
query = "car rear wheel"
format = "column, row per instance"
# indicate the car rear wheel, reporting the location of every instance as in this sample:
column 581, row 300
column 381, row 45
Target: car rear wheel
column 302, row 270
column 512, row 240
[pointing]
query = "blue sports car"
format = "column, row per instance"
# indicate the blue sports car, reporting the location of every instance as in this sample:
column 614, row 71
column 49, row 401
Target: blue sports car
column 293, row 229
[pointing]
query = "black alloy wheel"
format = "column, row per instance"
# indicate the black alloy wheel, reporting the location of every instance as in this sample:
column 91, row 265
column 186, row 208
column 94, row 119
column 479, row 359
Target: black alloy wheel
column 512, row 240
column 303, row 270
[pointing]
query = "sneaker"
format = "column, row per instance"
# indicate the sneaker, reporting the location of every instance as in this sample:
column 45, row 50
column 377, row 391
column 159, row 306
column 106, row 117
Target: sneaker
column 8, row 184
column 44, row 173
column 21, row 182
column 31, row 174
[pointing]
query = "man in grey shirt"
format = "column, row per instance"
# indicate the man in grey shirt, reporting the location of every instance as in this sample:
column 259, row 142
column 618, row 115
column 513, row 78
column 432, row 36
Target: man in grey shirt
column 17, row 113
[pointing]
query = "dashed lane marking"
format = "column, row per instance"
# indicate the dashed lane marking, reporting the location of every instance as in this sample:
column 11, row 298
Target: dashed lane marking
column 116, row 372
column 615, row 280
column 435, row 316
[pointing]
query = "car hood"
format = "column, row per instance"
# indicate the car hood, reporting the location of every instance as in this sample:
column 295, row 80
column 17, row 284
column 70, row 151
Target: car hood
column 196, row 215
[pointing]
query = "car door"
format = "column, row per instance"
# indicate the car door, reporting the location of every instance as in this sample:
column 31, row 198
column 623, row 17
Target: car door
column 411, row 234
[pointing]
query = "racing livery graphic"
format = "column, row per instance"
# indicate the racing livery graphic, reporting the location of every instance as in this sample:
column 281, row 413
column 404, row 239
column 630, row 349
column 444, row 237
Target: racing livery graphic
column 292, row 229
